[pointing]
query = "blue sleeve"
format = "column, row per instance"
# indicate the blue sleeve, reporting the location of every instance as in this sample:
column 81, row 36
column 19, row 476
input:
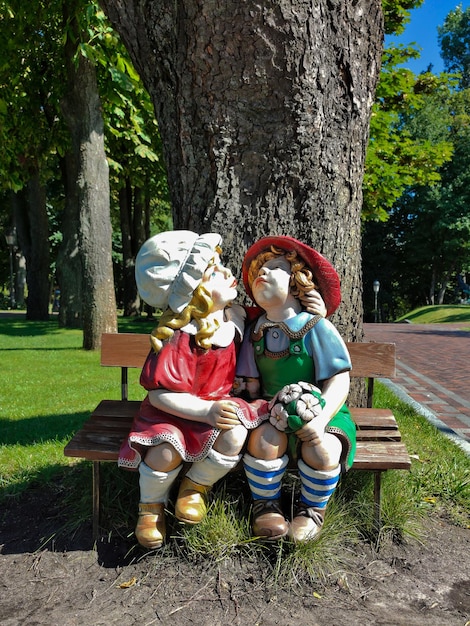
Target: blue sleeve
column 328, row 350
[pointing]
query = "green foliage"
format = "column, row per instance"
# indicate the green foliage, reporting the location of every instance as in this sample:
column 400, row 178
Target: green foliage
column 131, row 128
column 418, row 179
column 454, row 40
column 31, row 87
column 397, row 14
column 398, row 157
column 33, row 83
column 428, row 230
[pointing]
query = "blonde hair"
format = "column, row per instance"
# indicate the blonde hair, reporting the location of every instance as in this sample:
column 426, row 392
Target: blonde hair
column 301, row 279
column 198, row 309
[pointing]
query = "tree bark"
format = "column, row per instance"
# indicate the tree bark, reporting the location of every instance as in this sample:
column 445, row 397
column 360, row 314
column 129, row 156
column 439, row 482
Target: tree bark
column 127, row 209
column 264, row 110
column 33, row 237
column 82, row 111
column 69, row 262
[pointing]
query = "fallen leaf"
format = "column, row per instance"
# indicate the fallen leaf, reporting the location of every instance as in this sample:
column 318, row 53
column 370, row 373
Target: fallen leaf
column 129, row 583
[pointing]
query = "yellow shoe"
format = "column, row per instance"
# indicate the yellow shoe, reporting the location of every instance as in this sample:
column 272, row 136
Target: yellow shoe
column 191, row 504
column 150, row 530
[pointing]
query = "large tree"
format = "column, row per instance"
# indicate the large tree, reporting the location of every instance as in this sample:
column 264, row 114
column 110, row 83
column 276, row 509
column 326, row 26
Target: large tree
column 264, row 111
column 28, row 134
column 89, row 177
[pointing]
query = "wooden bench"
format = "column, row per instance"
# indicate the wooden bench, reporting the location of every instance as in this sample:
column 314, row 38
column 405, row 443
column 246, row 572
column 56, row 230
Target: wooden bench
column 379, row 444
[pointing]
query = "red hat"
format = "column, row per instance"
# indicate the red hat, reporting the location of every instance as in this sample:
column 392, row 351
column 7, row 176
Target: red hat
column 324, row 273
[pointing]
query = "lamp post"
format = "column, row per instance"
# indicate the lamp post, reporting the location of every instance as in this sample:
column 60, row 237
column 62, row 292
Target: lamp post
column 376, row 288
column 10, row 237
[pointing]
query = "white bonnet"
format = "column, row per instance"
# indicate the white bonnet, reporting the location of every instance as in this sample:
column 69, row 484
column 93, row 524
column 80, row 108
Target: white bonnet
column 170, row 265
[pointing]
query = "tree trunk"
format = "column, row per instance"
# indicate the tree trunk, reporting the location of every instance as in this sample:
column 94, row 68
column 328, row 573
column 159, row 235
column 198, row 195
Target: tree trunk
column 264, row 109
column 130, row 297
column 432, row 287
column 33, row 238
column 69, row 262
column 82, row 111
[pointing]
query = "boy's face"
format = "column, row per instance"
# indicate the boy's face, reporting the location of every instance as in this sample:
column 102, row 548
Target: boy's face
column 272, row 285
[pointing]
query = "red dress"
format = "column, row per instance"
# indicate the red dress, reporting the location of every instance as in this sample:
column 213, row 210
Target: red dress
column 182, row 366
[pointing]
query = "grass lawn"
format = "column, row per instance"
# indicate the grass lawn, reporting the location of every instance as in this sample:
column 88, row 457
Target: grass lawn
column 438, row 314
column 50, row 385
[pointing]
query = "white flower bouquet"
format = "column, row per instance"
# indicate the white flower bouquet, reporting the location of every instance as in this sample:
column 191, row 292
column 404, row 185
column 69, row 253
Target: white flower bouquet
column 295, row 405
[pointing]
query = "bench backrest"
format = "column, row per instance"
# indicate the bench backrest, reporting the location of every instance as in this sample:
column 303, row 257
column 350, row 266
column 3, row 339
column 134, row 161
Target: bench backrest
column 124, row 350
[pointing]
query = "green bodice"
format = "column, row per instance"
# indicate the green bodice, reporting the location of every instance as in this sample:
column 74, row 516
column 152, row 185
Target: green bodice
column 278, row 369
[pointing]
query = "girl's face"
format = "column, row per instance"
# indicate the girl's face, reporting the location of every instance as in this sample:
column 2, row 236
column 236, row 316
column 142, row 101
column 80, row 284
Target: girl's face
column 220, row 283
column 272, row 285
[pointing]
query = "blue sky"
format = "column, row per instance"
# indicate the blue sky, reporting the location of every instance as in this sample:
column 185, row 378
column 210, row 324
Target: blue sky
column 422, row 30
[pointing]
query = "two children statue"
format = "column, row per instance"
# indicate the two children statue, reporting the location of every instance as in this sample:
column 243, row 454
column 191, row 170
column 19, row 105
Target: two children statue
column 193, row 411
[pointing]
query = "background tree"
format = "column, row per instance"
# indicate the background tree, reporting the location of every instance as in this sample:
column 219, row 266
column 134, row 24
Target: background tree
column 424, row 246
column 397, row 156
column 454, row 40
column 88, row 171
column 137, row 176
column 32, row 65
column 29, row 133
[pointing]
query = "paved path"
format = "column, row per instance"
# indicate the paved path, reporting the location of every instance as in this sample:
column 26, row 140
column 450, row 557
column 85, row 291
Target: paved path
column 433, row 370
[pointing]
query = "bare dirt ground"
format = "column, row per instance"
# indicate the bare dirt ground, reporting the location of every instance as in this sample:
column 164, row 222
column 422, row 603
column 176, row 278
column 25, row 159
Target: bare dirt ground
column 69, row 582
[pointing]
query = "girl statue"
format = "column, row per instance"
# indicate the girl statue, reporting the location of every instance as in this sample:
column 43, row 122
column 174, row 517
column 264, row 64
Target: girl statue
column 188, row 413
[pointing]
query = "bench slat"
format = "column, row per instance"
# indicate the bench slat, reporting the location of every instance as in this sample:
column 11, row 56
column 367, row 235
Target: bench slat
column 107, row 423
column 117, row 408
column 101, row 436
column 373, row 434
column 379, row 455
column 96, row 446
column 369, row 359
column 124, row 349
column 373, row 418
column 104, row 446
column 372, row 360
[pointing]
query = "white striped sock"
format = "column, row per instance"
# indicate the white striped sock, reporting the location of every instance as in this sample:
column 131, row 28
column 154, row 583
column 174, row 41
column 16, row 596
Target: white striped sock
column 265, row 477
column 317, row 486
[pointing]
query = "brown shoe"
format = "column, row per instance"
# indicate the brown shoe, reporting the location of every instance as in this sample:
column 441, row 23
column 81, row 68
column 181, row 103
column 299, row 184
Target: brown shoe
column 268, row 520
column 307, row 523
column 150, row 530
column 191, row 504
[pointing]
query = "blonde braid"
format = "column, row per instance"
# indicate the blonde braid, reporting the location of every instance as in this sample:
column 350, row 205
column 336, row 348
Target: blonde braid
column 198, row 309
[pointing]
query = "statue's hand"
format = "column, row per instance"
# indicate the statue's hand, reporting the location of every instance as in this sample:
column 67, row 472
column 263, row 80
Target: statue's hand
column 312, row 433
column 313, row 303
column 223, row 414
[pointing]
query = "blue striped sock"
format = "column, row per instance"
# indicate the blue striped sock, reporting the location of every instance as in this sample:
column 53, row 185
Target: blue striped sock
column 317, row 486
column 265, row 477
